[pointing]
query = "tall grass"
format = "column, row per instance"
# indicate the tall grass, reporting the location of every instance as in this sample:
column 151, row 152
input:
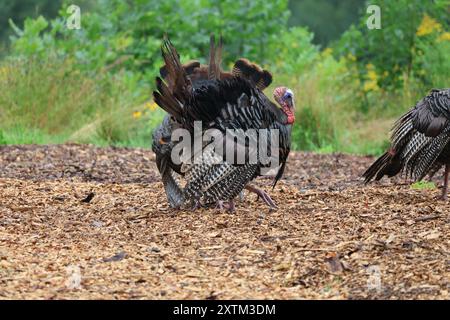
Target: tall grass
column 333, row 114
column 50, row 101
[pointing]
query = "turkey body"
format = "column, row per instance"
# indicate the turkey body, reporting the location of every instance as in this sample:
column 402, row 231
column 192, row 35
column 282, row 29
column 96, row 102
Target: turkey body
column 198, row 75
column 420, row 142
column 220, row 101
column 232, row 104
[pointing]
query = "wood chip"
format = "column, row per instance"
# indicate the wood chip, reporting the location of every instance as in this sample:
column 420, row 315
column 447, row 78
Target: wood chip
column 329, row 239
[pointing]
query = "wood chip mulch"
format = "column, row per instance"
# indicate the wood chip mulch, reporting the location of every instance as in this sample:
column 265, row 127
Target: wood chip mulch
column 93, row 223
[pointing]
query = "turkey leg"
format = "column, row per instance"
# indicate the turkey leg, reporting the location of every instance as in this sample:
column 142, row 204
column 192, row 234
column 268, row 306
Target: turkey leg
column 263, row 195
column 445, row 188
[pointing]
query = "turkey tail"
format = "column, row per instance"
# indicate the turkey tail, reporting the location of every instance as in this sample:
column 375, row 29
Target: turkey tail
column 164, row 98
column 176, row 74
column 219, row 56
column 215, row 58
column 173, row 95
column 244, row 68
column 189, row 68
column 387, row 164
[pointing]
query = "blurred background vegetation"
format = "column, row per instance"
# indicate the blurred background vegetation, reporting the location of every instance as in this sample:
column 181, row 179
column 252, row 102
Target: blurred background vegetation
column 94, row 85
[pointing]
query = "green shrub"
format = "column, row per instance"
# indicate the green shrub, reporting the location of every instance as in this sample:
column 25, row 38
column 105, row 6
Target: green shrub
column 390, row 50
column 119, row 34
column 432, row 65
column 94, row 85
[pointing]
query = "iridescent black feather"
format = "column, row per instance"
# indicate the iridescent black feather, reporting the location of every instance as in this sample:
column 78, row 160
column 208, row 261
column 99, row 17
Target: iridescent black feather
column 420, row 141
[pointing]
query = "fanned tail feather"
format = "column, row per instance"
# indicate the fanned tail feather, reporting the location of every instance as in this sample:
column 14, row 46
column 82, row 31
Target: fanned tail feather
column 172, row 62
column 171, row 97
column 164, row 98
column 244, row 68
column 384, row 165
column 215, row 58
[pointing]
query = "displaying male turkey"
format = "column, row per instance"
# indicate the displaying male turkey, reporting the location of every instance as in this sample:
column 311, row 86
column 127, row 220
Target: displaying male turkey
column 199, row 74
column 234, row 102
column 420, row 142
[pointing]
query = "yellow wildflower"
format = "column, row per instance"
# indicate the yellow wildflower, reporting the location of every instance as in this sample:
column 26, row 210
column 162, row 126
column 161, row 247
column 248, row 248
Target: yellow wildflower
column 372, row 75
column 151, row 105
column 371, row 84
column 123, row 43
column 351, row 57
column 137, row 114
column 327, row 52
column 444, row 36
column 427, row 26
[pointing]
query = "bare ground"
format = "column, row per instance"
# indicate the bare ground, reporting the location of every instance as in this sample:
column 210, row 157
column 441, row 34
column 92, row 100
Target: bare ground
column 331, row 237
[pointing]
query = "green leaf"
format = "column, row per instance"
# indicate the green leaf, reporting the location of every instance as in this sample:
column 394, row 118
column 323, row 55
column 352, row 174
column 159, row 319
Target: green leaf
column 423, row 185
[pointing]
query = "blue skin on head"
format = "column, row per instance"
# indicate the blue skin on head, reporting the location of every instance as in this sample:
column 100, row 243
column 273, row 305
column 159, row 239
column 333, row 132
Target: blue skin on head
column 287, row 95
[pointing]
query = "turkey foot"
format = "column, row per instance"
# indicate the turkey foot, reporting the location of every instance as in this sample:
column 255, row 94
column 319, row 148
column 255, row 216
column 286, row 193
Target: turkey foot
column 219, row 205
column 263, row 195
column 444, row 195
column 230, row 207
column 196, row 205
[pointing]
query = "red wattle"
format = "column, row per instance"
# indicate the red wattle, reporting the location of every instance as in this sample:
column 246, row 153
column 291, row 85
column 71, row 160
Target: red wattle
column 290, row 115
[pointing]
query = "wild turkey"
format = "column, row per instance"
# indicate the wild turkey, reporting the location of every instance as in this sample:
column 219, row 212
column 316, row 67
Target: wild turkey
column 162, row 146
column 420, row 142
column 234, row 102
column 199, row 74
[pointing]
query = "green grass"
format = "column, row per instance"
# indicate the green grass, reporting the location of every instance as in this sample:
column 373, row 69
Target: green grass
column 20, row 135
column 47, row 102
column 423, row 185
column 334, row 115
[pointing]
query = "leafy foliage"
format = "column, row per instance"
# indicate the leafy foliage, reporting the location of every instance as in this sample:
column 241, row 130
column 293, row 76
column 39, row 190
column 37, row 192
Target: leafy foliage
column 391, row 51
column 128, row 33
column 19, row 10
column 328, row 19
column 94, row 84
